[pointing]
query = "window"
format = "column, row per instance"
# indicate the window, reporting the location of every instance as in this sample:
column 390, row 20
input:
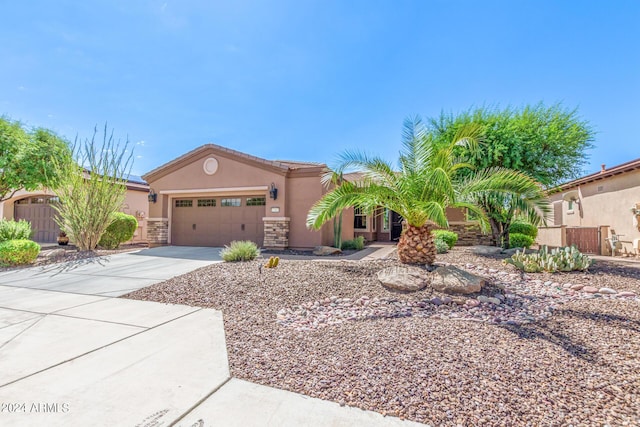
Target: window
column 359, row 219
column 256, row 201
column 38, row 200
column 182, row 203
column 204, row 203
column 22, row 202
column 385, row 219
column 230, row 202
column 570, row 205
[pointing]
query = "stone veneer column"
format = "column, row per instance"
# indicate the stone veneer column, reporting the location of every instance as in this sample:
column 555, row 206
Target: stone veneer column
column 157, row 232
column 276, row 232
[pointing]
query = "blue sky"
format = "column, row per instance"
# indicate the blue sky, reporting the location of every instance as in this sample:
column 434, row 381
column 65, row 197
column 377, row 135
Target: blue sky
column 305, row 80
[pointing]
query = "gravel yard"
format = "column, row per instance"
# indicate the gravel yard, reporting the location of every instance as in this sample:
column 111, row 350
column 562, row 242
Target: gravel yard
column 548, row 350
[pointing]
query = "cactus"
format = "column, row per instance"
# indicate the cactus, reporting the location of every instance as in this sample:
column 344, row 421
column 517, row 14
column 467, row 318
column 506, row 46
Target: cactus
column 273, row 262
column 559, row 259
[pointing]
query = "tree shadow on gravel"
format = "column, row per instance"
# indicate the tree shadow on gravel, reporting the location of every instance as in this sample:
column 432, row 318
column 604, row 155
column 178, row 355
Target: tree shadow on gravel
column 606, row 267
column 554, row 332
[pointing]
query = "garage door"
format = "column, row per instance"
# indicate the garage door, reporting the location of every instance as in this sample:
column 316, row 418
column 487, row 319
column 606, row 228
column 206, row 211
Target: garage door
column 39, row 212
column 216, row 221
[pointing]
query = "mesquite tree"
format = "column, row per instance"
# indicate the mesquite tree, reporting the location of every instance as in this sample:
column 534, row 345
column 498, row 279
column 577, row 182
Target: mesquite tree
column 27, row 158
column 548, row 144
column 92, row 188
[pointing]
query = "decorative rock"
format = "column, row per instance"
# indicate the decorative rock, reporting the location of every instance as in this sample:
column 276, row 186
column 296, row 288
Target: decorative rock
column 436, row 301
column 626, row 294
column 447, row 300
column 490, row 300
column 609, row 291
column 486, row 250
column 55, row 253
column 453, row 280
column 404, row 278
column 325, row 250
column 471, row 303
column 590, row 289
column 577, row 287
column 511, row 252
column 567, row 285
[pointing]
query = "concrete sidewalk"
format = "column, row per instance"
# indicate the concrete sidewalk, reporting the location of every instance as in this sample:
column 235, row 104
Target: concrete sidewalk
column 75, row 360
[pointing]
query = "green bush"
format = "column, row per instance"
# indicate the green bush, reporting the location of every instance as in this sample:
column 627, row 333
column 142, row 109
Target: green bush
column 18, row 252
column 243, row 250
column 14, row 230
column 449, row 237
column 442, row 247
column 121, row 229
column 560, row 259
column 357, row 244
column 520, row 227
column 517, row 240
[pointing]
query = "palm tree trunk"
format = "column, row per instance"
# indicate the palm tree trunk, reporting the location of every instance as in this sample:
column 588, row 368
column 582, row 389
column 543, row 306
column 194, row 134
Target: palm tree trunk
column 416, row 245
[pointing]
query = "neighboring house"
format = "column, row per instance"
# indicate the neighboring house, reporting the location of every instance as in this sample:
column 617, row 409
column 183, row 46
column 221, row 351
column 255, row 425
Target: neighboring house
column 213, row 195
column 36, row 207
column 593, row 210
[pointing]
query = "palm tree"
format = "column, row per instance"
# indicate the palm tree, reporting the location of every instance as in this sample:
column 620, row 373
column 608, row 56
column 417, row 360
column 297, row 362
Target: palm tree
column 431, row 177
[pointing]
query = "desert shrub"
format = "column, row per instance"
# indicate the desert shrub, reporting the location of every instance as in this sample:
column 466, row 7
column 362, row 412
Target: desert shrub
column 442, row 247
column 18, row 252
column 517, row 240
column 14, row 230
column 240, row 250
column 121, row 229
column 357, row 244
column 449, row 237
column 520, row 227
column 560, row 259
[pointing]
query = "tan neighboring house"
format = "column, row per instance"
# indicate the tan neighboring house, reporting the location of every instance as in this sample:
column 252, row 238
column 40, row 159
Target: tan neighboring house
column 214, row 195
column 36, row 207
column 596, row 212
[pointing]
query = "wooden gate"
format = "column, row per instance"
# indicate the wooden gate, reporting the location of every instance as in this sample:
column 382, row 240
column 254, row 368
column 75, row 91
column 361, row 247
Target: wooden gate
column 587, row 239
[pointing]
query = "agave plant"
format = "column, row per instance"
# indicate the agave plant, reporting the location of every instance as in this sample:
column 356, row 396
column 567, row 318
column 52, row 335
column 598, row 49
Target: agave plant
column 427, row 181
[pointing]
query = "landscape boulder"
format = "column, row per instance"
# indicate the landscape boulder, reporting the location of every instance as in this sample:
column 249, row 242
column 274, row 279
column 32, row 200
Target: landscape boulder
column 54, row 253
column 486, row 250
column 404, row 278
column 453, row 280
column 326, row 250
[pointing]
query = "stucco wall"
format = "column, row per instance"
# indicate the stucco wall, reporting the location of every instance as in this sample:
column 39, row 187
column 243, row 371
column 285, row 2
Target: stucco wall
column 302, row 193
column 231, row 174
column 603, row 202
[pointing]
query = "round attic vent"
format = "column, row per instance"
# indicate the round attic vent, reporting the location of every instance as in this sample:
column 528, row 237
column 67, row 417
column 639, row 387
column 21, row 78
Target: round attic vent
column 210, row 166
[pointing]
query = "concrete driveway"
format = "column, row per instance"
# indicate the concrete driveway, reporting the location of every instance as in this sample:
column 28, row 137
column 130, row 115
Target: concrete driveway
column 73, row 358
column 113, row 275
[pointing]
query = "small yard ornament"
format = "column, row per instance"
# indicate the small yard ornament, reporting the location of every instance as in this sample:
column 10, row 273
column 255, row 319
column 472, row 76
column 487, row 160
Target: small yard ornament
column 635, row 210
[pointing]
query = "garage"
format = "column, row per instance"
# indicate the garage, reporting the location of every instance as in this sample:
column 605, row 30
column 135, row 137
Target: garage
column 40, row 213
column 216, row 221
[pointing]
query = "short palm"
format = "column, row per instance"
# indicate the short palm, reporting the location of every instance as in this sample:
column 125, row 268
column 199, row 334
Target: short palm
column 430, row 178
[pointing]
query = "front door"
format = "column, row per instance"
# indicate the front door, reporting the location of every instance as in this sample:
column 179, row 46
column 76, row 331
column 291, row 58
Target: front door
column 396, row 225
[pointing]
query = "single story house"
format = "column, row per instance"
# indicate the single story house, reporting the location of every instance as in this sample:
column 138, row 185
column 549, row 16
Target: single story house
column 36, row 207
column 213, row 195
column 597, row 210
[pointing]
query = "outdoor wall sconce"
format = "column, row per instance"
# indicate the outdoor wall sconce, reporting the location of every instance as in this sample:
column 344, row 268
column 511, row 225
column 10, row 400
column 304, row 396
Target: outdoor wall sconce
column 273, row 191
column 153, row 196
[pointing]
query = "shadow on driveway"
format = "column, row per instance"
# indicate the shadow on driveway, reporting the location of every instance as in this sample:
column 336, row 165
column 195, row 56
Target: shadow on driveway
column 182, row 252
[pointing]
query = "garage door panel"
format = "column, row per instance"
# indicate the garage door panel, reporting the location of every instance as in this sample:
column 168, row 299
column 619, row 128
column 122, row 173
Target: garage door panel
column 40, row 214
column 216, row 225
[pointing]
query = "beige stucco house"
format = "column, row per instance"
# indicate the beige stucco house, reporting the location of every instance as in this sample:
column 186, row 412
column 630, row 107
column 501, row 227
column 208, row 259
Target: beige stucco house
column 599, row 204
column 214, row 195
column 36, row 207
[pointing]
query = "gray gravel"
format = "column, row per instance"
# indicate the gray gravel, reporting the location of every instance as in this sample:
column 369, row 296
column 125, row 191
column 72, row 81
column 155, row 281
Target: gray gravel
column 572, row 359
